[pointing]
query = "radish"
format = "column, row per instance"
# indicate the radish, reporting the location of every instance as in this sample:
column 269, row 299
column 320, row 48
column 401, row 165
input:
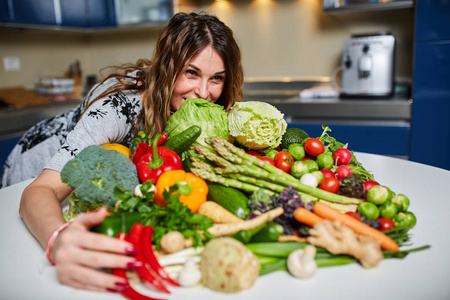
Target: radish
column 342, row 156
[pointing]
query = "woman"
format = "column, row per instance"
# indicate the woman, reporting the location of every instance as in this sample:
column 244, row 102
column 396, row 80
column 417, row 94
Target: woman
column 196, row 56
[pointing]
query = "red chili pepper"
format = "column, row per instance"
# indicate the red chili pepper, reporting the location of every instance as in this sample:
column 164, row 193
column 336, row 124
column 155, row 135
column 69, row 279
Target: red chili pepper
column 129, row 293
column 143, row 144
column 150, row 258
column 156, row 161
column 144, row 272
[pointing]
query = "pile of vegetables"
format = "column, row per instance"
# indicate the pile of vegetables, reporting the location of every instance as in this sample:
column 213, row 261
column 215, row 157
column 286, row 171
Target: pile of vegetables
column 227, row 197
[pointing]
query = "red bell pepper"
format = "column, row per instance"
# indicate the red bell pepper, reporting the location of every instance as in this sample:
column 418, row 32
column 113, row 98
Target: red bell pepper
column 156, row 161
column 142, row 143
column 150, row 258
column 129, row 293
column 144, row 272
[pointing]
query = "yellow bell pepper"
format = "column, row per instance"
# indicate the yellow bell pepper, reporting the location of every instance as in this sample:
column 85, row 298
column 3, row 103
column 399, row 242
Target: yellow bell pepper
column 118, row 147
column 194, row 199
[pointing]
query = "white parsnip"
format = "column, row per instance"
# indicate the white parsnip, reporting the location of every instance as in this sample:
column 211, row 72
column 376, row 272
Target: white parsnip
column 218, row 230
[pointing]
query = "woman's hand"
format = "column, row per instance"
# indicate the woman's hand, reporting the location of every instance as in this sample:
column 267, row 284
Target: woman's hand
column 78, row 253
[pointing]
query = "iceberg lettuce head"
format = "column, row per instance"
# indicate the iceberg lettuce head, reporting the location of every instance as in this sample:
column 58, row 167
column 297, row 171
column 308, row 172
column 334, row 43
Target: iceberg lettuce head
column 256, row 125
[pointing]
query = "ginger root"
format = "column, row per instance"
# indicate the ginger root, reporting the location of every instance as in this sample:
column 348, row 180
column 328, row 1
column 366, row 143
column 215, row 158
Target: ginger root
column 339, row 239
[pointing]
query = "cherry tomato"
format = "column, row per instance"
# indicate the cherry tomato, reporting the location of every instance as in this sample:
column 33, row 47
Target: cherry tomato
column 342, row 156
column 327, row 173
column 284, row 166
column 266, row 159
column 283, row 155
column 330, row 184
column 253, row 153
column 353, row 215
column 368, row 184
column 343, row 171
column 314, row 147
column 283, row 161
column 386, row 224
column 307, row 158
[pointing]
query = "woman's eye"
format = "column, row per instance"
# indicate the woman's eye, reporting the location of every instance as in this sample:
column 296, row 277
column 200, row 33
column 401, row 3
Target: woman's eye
column 218, row 78
column 191, row 72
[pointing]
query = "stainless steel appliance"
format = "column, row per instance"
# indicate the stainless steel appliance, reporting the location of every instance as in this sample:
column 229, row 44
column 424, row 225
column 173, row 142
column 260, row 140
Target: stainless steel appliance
column 368, row 65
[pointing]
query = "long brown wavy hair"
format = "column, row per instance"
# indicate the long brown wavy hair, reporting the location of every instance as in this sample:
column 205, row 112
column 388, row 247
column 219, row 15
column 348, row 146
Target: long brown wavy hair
column 180, row 41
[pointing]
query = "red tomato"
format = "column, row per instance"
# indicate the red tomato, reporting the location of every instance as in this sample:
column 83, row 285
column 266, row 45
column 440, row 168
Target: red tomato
column 284, row 166
column 353, row 215
column 283, row 155
column 307, row 158
column 314, row 147
column 330, row 184
column 343, row 171
column 386, row 224
column 266, row 159
column 369, row 184
column 253, row 153
column 283, row 161
column 327, row 173
column 342, row 156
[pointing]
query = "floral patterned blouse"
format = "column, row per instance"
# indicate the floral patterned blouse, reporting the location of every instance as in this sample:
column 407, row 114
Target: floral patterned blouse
column 51, row 143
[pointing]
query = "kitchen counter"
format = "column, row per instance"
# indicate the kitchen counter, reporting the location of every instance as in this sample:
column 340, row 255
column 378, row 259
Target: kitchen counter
column 14, row 122
column 420, row 275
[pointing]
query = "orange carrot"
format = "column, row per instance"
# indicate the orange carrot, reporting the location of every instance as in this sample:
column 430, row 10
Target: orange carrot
column 306, row 217
column 327, row 212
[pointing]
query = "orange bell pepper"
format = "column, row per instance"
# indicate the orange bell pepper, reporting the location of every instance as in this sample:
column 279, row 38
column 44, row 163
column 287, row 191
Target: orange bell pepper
column 187, row 181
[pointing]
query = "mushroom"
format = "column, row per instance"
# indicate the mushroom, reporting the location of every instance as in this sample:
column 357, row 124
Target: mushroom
column 301, row 263
column 190, row 275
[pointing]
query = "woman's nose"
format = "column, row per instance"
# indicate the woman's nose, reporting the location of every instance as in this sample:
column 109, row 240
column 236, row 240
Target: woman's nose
column 202, row 90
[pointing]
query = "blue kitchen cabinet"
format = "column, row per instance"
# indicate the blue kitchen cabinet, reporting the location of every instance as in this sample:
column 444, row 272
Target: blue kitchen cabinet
column 376, row 139
column 430, row 124
column 432, row 20
column 87, row 13
column 4, row 11
column 33, row 12
column 102, row 13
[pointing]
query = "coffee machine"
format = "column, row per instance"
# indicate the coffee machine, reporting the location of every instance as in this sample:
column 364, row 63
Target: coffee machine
column 368, row 65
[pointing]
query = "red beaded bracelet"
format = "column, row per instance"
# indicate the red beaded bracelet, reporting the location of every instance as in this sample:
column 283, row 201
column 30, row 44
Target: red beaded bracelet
column 52, row 238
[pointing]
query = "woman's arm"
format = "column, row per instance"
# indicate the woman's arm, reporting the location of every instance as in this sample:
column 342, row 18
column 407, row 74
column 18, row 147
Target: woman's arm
column 40, row 206
column 77, row 252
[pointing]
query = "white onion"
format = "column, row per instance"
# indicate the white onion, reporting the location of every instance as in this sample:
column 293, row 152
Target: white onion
column 309, row 179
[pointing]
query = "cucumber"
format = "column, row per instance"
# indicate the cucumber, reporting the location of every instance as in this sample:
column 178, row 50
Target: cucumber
column 182, row 141
column 229, row 198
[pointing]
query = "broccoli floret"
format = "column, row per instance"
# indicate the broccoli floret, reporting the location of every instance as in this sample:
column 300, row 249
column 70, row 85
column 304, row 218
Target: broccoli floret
column 94, row 174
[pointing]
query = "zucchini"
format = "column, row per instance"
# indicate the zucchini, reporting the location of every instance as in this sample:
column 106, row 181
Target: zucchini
column 229, row 198
column 182, row 141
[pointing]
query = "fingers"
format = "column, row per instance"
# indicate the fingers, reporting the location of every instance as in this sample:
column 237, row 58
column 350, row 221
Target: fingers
column 92, row 218
column 80, row 237
column 90, row 279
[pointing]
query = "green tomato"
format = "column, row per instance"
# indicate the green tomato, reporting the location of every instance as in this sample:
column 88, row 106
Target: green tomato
column 401, row 201
column 378, row 194
column 369, row 210
column 319, row 176
column 388, row 209
column 325, row 161
column 271, row 153
column 297, row 151
column 312, row 165
column 299, row 168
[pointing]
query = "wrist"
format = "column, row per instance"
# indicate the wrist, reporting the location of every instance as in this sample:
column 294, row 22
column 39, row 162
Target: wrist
column 52, row 238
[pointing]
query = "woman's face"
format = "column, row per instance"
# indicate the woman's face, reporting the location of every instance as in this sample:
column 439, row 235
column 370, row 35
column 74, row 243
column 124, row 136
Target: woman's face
column 203, row 77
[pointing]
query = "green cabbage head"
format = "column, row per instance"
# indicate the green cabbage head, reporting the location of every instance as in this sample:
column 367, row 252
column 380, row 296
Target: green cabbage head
column 210, row 117
column 256, row 125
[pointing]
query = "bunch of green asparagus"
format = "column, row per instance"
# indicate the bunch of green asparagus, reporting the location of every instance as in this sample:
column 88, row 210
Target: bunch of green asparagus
column 229, row 165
